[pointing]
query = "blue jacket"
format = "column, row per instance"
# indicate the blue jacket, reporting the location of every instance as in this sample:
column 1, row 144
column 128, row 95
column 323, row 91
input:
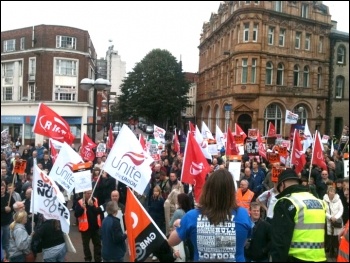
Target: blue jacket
column 113, row 239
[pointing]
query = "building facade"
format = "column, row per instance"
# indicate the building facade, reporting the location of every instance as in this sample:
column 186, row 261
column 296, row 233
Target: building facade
column 262, row 58
column 45, row 63
column 116, row 70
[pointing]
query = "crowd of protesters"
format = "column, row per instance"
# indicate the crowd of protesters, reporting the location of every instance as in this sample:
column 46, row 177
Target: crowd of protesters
column 260, row 209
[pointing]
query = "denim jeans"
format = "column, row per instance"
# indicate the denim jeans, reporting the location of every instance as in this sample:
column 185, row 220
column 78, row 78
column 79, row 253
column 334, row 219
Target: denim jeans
column 19, row 258
column 60, row 257
column 5, row 238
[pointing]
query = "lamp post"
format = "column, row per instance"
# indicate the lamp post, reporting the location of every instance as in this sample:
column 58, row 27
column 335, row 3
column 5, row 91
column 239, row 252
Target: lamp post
column 98, row 85
column 107, row 103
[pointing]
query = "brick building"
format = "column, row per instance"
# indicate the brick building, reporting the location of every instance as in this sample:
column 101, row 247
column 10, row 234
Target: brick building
column 263, row 58
column 45, row 63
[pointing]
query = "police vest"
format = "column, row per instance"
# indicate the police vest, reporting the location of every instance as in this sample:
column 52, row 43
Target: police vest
column 83, row 220
column 308, row 236
column 343, row 254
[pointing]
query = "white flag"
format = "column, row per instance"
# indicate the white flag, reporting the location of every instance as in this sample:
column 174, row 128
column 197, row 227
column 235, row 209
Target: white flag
column 220, row 137
column 206, row 133
column 48, row 199
column 159, row 134
column 291, row 117
column 307, row 137
column 82, row 181
column 332, row 148
column 62, row 169
column 202, row 143
column 56, row 144
column 127, row 161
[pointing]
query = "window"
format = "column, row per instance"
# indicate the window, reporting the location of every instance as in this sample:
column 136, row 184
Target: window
column 319, row 78
column 281, row 37
column 65, row 93
column 339, row 87
column 238, row 34
column 306, row 77
column 8, row 69
column 300, row 109
column 253, row 73
column 307, row 41
column 320, row 45
column 247, row 2
column 7, row 93
column 66, row 67
column 341, row 55
column 297, row 40
column 280, row 73
column 270, row 35
column 269, row 69
column 256, row 2
column 246, row 32
column 31, row 92
column 305, row 11
column 273, row 113
column 10, row 45
column 236, row 71
column 278, row 6
column 255, row 32
column 23, row 42
column 244, row 70
column 296, row 76
column 66, row 42
column 32, row 66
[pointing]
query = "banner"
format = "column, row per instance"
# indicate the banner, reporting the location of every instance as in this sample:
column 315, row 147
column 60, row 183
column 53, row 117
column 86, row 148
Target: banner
column 239, row 131
column 297, row 155
column 82, row 181
column 291, row 118
column 275, row 173
column 62, row 169
column 144, row 236
column 176, row 143
column 220, row 138
column 48, row 199
column 127, row 161
column 206, row 133
column 317, row 152
column 231, row 146
column 19, row 166
column 252, row 147
column 101, row 149
column 271, row 132
column 86, row 149
column 159, row 134
column 52, row 125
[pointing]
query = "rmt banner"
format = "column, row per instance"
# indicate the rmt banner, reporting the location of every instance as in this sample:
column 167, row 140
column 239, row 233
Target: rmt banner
column 252, row 147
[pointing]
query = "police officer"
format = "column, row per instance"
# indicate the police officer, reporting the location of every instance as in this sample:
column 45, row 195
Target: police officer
column 298, row 223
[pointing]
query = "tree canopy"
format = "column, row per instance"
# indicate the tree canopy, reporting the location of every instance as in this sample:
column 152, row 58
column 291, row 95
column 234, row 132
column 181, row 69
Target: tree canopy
column 156, row 89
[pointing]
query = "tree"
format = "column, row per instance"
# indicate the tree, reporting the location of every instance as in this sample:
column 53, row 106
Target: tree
column 156, row 89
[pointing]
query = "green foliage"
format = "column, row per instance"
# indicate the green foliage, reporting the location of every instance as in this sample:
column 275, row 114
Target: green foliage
column 156, row 89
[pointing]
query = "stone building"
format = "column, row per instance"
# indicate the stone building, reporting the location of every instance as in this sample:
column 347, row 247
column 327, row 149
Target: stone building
column 262, row 58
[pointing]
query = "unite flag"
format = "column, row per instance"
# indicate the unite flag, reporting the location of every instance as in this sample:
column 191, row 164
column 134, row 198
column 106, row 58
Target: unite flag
column 52, row 125
column 86, row 150
column 144, row 236
column 317, row 152
column 297, row 154
column 231, row 146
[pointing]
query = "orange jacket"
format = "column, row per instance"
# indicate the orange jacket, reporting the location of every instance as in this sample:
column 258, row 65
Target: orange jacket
column 83, row 220
column 244, row 200
column 343, row 254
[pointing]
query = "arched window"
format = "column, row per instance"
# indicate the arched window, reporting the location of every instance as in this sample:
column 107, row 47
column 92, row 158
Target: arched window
column 319, row 78
column 300, row 109
column 269, row 71
column 339, row 87
column 217, row 117
column 296, row 76
column 209, row 117
column 306, row 77
column 280, row 71
column 273, row 114
column 341, row 55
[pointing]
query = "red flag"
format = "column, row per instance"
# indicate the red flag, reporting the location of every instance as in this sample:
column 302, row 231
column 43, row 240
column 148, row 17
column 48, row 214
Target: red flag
column 192, row 128
column 142, row 142
column 317, row 152
column 50, row 124
column 239, row 131
column 53, row 152
column 271, row 132
column 86, row 151
column 262, row 150
column 231, row 147
column 176, row 143
column 144, row 236
column 297, row 154
column 195, row 166
column 110, row 140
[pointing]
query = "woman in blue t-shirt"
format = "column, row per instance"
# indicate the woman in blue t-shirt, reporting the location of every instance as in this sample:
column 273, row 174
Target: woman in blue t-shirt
column 218, row 228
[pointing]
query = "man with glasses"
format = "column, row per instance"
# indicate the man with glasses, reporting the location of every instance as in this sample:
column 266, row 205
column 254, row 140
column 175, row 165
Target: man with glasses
column 298, row 222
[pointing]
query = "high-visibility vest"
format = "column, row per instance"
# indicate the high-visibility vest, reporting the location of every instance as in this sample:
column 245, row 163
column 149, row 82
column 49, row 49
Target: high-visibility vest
column 83, row 219
column 343, row 254
column 245, row 199
column 308, row 235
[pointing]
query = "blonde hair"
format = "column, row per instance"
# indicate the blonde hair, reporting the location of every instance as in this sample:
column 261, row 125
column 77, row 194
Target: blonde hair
column 18, row 218
column 331, row 189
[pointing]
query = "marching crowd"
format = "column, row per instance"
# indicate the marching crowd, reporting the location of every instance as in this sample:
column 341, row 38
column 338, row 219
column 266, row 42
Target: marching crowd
column 301, row 217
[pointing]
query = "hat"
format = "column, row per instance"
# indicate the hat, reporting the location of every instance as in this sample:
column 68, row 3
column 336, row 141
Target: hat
column 287, row 174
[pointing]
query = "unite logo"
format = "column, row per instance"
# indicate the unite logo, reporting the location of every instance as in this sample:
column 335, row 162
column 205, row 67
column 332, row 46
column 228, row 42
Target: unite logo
column 136, row 158
column 56, row 126
column 196, row 168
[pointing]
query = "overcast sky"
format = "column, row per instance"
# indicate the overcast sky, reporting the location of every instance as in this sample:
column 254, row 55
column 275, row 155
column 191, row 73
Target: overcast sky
column 134, row 27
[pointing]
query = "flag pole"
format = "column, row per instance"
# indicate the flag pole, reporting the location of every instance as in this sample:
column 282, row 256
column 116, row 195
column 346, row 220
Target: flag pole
column 32, row 205
column 98, row 178
column 312, row 155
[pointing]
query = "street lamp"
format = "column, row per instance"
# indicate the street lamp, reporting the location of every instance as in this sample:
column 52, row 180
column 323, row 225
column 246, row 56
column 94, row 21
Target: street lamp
column 106, row 107
column 98, row 85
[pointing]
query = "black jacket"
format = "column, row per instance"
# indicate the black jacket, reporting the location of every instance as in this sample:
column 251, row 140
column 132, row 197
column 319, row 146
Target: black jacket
column 260, row 241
